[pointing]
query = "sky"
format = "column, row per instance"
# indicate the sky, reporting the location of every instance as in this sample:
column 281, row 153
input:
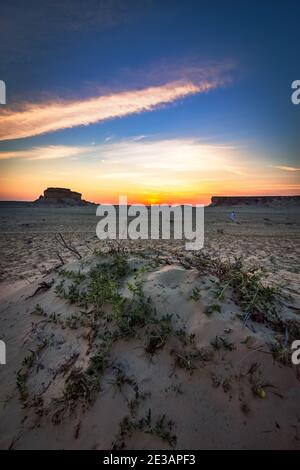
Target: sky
column 163, row 101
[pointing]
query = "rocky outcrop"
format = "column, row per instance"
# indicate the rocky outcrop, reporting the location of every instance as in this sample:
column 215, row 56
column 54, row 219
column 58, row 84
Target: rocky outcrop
column 272, row 201
column 61, row 196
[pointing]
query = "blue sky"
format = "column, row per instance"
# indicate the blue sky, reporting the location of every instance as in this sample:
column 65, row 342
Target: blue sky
column 73, row 51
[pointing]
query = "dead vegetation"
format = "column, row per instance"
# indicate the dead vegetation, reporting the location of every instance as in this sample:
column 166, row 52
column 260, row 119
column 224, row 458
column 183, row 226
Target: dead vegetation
column 130, row 317
column 246, row 285
column 161, row 428
column 28, row 363
column 109, row 316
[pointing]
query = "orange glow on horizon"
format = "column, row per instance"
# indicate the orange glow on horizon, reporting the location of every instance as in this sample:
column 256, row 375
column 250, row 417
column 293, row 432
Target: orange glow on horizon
column 178, row 171
column 113, row 198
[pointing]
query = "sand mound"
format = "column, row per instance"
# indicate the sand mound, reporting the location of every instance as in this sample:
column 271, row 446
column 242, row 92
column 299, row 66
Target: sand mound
column 134, row 352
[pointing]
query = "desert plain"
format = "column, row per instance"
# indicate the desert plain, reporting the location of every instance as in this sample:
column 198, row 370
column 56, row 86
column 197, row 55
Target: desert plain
column 142, row 344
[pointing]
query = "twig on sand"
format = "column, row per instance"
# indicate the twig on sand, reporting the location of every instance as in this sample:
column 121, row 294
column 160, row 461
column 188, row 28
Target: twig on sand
column 249, row 311
column 116, row 246
column 15, row 439
column 60, row 259
column 62, row 242
column 41, row 288
column 88, row 247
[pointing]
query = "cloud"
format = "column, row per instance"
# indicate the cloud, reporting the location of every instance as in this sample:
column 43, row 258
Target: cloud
column 190, row 68
column 171, row 170
column 286, row 168
column 39, row 118
column 43, row 153
column 140, row 156
column 125, row 175
column 170, row 156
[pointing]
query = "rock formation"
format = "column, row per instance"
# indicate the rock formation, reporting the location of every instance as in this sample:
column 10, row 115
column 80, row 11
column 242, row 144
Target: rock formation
column 272, row 201
column 61, row 196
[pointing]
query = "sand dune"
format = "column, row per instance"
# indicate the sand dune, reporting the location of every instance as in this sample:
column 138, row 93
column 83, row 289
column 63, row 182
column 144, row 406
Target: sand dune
column 147, row 348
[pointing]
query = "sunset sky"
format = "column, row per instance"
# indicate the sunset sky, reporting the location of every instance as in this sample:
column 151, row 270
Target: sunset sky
column 162, row 101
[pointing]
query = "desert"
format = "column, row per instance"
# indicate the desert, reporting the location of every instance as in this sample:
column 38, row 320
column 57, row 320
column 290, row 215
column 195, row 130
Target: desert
column 150, row 232
column 142, row 344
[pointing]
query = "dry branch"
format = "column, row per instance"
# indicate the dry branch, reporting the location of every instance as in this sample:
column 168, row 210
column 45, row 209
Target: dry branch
column 62, row 242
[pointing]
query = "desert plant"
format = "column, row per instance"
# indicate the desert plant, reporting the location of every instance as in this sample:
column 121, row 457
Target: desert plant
column 76, row 276
column 157, row 334
column 247, row 285
column 24, row 372
column 39, row 311
column 221, row 342
column 209, row 309
column 184, row 337
column 133, row 314
column 195, row 294
column 162, row 428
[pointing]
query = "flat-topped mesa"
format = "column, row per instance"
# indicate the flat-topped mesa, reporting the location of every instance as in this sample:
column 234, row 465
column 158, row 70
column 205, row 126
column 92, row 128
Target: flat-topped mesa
column 58, row 193
column 61, row 196
column 273, row 201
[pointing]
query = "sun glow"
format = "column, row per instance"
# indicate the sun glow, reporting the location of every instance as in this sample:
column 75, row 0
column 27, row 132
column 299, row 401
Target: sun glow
column 148, row 171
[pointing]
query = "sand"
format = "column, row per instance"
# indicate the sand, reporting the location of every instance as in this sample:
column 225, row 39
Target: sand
column 195, row 391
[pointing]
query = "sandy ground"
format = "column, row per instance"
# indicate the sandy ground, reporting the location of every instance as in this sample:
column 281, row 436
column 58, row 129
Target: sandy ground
column 190, row 376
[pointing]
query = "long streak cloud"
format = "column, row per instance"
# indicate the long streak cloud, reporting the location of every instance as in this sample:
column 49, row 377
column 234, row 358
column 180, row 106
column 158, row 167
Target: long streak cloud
column 36, row 118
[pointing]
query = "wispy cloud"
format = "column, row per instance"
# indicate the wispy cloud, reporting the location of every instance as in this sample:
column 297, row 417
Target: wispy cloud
column 178, row 169
column 139, row 156
column 181, row 157
column 43, row 153
column 286, row 168
column 38, row 118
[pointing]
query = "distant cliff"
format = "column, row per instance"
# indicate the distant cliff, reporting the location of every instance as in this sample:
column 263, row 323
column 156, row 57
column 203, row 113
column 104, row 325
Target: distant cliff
column 272, row 201
column 61, row 196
